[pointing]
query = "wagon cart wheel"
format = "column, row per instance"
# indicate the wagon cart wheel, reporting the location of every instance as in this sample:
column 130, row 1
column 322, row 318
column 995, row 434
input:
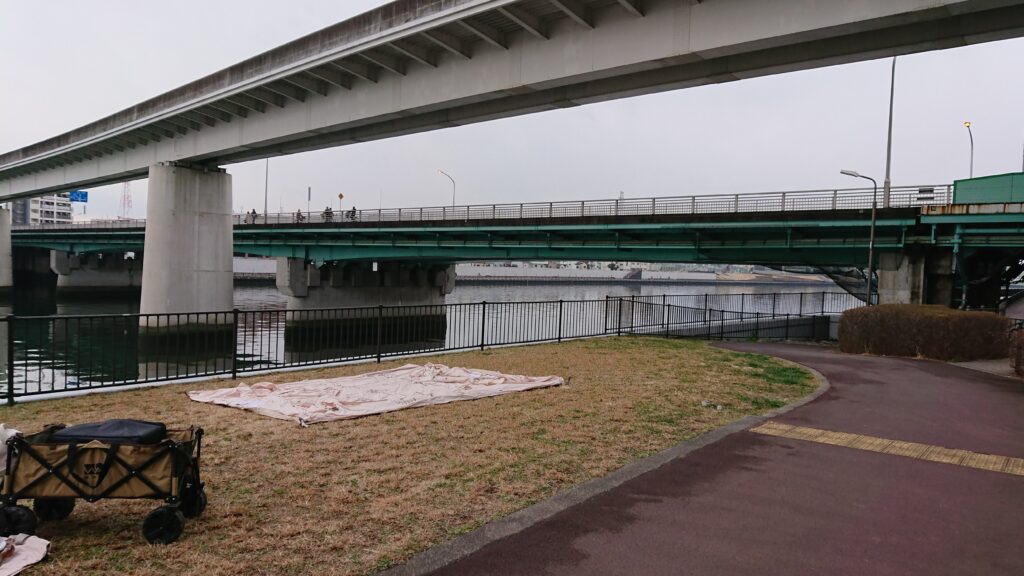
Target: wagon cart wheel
column 163, row 525
column 18, row 520
column 48, row 509
column 193, row 497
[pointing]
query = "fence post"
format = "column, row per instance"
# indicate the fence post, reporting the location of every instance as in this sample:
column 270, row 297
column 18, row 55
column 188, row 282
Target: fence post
column 736, row 203
column 618, row 318
column 743, row 305
column 234, row 344
column 835, row 195
column 664, row 312
column 775, row 296
column 822, row 302
column 705, row 307
column 800, row 310
column 787, row 328
column 607, row 300
column 632, row 316
column 559, row 319
column 483, row 324
column 10, row 359
column 380, row 328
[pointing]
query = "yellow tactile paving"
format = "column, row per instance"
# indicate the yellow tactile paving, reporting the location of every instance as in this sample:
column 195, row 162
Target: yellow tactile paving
column 1014, row 466
column 928, row 452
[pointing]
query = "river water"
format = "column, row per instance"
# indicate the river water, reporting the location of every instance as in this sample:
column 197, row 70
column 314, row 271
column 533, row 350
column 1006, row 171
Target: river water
column 266, row 297
column 80, row 350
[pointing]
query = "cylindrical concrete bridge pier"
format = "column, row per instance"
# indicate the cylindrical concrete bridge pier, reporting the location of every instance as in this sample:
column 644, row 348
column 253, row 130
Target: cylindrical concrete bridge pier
column 188, row 243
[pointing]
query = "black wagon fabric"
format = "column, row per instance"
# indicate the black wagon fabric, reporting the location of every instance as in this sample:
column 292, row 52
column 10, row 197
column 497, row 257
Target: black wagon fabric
column 118, row 431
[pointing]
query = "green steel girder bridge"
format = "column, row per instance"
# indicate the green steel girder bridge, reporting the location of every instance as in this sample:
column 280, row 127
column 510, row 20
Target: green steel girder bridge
column 808, row 228
column 921, row 232
column 782, row 228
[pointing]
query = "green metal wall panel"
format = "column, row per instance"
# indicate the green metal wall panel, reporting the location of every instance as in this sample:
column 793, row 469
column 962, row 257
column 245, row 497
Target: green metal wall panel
column 995, row 189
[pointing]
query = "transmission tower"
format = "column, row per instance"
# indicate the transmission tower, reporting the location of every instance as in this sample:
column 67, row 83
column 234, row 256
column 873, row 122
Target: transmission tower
column 126, row 200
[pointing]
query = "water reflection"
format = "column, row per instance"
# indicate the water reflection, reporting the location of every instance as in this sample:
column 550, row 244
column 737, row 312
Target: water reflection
column 81, row 349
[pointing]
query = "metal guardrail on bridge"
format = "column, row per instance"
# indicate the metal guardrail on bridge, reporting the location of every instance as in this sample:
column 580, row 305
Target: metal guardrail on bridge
column 791, row 201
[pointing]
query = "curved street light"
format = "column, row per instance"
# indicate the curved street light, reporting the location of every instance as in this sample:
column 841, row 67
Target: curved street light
column 453, row 185
column 871, row 236
column 971, row 134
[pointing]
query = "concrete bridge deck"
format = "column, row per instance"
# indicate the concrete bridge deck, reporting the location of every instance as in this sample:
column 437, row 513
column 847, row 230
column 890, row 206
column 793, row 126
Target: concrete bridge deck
column 419, row 65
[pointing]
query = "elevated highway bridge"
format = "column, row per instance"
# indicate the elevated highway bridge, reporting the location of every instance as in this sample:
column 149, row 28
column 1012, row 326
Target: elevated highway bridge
column 417, row 65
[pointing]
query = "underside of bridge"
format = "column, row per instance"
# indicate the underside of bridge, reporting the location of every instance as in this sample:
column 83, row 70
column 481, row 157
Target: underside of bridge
column 420, row 65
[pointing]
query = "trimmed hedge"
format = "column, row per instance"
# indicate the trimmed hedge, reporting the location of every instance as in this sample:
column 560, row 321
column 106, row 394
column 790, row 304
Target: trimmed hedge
column 928, row 331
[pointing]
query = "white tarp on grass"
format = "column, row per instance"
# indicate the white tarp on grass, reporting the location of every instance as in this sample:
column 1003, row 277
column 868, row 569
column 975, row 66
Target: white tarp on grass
column 311, row 401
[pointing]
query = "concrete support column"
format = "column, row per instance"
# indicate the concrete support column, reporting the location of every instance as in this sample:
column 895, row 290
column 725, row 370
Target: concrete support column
column 96, row 274
column 900, row 278
column 6, row 254
column 380, row 308
column 188, row 241
column 915, row 278
column 336, row 285
column 939, row 279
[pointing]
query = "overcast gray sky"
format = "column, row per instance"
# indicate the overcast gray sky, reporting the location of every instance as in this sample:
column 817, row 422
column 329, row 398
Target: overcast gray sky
column 64, row 63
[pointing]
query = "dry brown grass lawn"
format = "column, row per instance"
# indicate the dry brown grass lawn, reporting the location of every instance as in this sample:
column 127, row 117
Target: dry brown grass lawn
column 356, row 496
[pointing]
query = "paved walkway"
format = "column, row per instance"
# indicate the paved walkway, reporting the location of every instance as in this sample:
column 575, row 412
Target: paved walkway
column 766, row 503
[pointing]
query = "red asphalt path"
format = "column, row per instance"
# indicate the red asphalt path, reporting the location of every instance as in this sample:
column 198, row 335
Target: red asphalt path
column 756, row 504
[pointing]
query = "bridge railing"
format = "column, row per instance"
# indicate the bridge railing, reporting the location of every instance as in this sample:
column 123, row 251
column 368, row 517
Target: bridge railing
column 41, row 355
column 802, row 200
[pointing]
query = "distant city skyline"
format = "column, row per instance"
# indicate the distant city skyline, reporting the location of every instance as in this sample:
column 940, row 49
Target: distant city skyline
column 785, row 132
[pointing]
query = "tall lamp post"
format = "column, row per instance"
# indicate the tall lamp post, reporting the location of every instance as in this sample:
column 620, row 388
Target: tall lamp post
column 266, row 187
column 871, row 236
column 887, row 183
column 971, row 134
column 453, row 185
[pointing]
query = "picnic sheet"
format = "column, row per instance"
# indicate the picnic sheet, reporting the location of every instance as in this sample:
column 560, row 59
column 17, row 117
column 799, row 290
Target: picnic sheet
column 311, row 401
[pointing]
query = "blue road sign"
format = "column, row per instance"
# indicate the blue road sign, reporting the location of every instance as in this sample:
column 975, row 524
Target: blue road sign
column 79, row 195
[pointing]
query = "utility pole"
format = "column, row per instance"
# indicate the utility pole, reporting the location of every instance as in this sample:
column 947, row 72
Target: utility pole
column 266, row 186
column 971, row 134
column 887, row 185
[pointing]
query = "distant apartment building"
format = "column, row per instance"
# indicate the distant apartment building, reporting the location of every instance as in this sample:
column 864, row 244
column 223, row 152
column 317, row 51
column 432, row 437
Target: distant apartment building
column 53, row 209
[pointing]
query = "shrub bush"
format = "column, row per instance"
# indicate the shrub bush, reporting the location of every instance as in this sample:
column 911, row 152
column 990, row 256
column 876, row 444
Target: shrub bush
column 929, row 331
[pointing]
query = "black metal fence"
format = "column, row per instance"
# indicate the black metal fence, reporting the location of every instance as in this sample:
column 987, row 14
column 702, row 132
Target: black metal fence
column 48, row 354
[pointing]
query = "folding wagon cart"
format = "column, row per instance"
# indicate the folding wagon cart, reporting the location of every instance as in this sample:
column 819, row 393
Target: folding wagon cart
column 111, row 459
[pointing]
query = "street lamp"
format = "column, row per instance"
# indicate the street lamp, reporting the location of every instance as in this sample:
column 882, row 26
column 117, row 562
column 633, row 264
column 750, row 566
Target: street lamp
column 871, row 237
column 453, row 185
column 971, row 134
